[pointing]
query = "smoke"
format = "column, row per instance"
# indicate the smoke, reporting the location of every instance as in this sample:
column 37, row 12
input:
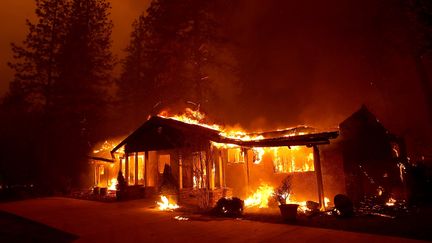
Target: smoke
column 317, row 62
column 123, row 14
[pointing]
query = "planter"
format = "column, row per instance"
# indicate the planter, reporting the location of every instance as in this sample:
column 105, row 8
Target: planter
column 103, row 191
column 289, row 212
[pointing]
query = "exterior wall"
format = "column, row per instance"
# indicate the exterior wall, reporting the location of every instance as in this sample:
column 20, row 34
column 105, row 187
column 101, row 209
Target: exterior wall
column 304, row 184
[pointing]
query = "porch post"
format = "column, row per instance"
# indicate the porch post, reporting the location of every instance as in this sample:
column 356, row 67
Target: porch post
column 180, row 172
column 317, row 165
column 247, row 166
column 211, row 174
column 95, row 173
column 221, row 184
column 126, row 175
column 136, row 168
column 146, row 158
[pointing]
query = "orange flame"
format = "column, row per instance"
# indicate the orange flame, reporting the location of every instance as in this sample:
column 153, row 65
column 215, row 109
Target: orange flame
column 261, row 197
column 165, row 205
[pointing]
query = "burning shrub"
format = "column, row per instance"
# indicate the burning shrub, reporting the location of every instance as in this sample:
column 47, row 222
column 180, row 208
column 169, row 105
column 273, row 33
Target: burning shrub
column 229, row 207
column 283, row 192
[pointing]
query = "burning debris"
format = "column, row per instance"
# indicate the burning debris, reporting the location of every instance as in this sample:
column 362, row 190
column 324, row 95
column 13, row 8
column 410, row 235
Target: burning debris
column 261, row 197
column 181, row 218
column 378, row 206
column 166, row 205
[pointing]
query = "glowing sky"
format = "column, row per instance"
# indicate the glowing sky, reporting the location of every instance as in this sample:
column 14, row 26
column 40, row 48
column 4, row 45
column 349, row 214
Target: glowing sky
column 12, row 28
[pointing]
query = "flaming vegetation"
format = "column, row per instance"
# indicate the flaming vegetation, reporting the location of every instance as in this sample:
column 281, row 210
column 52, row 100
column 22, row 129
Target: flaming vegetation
column 166, row 205
column 262, row 196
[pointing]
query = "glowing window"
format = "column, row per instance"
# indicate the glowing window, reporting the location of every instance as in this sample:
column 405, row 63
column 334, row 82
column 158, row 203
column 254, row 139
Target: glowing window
column 296, row 159
column 236, row 155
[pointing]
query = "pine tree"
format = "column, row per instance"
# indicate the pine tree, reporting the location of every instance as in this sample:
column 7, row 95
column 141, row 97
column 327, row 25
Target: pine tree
column 62, row 73
column 36, row 60
column 136, row 85
column 420, row 13
column 86, row 60
column 173, row 49
column 81, row 94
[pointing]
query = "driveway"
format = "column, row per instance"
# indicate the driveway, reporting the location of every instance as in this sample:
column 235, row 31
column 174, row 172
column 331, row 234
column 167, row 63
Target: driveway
column 139, row 221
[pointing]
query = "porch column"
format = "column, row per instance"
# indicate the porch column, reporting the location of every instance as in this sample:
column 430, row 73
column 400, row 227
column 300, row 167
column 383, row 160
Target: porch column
column 126, row 172
column 180, row 172
column 211, row 174
column 221, row 184
column 96, row 174
column 247, row 166
column 146, row 159
column 317, row 165
column 136, row 168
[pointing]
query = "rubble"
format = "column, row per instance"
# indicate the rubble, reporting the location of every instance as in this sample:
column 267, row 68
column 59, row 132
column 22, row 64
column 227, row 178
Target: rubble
column 377, row 206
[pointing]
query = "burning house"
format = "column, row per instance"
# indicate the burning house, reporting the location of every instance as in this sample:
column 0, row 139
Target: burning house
column 206, row 163
column 197, row 163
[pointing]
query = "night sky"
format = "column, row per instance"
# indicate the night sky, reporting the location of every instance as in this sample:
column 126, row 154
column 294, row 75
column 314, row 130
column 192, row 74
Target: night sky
column 303, row 62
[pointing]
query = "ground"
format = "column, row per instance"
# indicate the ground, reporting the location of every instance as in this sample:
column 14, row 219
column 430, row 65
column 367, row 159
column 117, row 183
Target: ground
column 139, row 221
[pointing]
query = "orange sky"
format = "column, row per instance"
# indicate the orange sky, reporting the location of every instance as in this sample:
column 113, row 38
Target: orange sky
column 12, row 28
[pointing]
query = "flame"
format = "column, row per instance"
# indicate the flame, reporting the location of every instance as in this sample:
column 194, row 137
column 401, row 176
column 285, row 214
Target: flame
column 326, row 201
column 197, row 118
column 191, row 117
column 113, row 184
column 109, row 145
column 391, row 202
column 294, row 159
column 165, row 205
column 261, row 197
column 258, row 155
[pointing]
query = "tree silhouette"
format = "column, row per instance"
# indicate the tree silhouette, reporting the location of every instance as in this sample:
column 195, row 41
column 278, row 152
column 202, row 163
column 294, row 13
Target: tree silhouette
column 36, row 59
column 420, row 16
column 173, row 50
column 62, row 75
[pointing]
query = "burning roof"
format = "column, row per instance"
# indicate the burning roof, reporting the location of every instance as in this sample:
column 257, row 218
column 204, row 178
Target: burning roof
column 162, row 133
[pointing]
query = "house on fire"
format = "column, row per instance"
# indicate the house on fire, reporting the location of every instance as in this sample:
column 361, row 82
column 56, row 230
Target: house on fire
column 206, row 164
column 201, row 159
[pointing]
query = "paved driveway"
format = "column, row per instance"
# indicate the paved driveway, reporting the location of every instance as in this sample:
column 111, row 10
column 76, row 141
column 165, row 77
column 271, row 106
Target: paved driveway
column 138, row 221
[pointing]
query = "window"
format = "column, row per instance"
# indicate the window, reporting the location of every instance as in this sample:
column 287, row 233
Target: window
column 294, row 159
column 236, row 155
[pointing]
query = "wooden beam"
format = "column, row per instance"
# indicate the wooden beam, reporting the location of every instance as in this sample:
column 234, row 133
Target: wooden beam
column 146, row 161
column 180, row 172
column 221, row 184
column 247, row 167
column 318, row 172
